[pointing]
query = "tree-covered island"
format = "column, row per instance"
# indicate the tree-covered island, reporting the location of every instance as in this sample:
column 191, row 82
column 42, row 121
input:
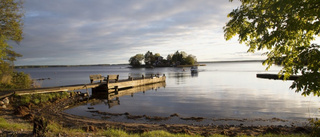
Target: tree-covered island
column 156, row 60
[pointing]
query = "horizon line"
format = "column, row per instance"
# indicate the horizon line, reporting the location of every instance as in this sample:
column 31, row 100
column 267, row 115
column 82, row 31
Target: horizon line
column 83, row 65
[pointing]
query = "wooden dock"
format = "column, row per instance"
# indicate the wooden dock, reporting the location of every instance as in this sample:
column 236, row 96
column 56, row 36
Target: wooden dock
column 277, row 77
column 117, row 84
column 113, row 97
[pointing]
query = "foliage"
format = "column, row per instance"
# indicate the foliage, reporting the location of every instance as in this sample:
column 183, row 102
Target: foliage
column 150, row 59
column 315, row 127
column 16, row 80
column 11, row 29
column 136, row 60
column 21, row 80
column 4, row 124
column 286, row 29
column 182, row 58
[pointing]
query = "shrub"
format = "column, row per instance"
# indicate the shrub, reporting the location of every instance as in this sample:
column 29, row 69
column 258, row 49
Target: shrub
column 21, row 80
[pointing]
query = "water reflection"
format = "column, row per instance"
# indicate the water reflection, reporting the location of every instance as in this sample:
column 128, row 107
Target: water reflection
column 113, row 98
column 218, row 91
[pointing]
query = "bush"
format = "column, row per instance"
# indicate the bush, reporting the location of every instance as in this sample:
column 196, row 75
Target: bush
column 21, row 80
column 15, row 80
column 315, row 127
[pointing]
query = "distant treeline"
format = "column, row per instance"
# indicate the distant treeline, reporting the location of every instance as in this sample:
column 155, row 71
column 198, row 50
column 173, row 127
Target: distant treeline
column 232, row 61
column 52, row 66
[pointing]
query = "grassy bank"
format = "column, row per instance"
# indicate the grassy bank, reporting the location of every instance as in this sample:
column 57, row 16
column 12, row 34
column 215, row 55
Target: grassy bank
column 55, row 130
column 54, row 127
column 13, row 126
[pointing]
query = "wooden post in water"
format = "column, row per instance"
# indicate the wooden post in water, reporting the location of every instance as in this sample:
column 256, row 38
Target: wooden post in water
column 116, row 90
column 130, row 78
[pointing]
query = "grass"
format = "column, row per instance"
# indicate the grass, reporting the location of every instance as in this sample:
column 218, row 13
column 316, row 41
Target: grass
column 161, row 133
column 40, row 98
column 55, row 129
column 4, row 124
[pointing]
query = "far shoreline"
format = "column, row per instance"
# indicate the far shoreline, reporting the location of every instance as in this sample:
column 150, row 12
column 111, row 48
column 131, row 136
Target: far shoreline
column 89, row 65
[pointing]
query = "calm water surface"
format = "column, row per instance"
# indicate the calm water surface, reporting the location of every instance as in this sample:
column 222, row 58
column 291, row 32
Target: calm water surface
column 218, row 91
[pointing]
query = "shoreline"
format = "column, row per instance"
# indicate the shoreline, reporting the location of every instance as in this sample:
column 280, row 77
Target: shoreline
column 88, row 65
column 54, row 111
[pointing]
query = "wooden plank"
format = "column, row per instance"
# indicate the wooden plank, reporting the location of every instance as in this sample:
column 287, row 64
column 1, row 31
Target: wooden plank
column 135, row 90
column 4, row 94
column 137, row 82
column 57, row 89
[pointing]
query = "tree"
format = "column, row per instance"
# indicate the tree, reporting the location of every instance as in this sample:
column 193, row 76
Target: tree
column 286, row 28
column 148, row 57
column 190, row 59
column 136, row 60
column 10, row 30
column 177, row 58
column 182, row 58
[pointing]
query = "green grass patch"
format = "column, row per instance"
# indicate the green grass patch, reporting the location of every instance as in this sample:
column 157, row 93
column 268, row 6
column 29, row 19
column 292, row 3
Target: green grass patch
column 4, row 124
column 116, row 133
column 161, row 133
column 54, row 129
column 39, row 98
column 274, row 135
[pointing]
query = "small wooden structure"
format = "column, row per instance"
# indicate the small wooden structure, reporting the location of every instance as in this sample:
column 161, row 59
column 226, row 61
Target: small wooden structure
column 96, row 77
column 112, row 77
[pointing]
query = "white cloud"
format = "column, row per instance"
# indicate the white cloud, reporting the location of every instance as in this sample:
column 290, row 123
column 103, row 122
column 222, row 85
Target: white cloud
column 81, row 32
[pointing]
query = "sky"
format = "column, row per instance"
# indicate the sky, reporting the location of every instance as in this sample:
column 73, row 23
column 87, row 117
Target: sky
column 78, row 32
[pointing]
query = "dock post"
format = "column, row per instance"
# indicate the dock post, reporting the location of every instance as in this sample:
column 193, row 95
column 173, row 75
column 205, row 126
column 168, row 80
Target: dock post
column 130, row 78
column 87, row 90
column 116, row 89
column 142, row 76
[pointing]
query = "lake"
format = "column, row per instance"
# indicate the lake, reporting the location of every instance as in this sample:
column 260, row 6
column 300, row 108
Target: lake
column 220, row 93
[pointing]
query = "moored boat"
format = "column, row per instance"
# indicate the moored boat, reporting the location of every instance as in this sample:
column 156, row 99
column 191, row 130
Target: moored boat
column 194, row 69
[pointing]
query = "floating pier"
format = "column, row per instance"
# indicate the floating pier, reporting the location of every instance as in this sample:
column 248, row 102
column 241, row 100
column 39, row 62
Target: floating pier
column 277, row 77
column 110, row 83
column 113, row 98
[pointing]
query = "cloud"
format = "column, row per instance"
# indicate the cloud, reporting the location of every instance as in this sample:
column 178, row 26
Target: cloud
column 86, row 32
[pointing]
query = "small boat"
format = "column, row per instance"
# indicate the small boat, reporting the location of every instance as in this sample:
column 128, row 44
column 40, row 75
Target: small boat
column 194, row 69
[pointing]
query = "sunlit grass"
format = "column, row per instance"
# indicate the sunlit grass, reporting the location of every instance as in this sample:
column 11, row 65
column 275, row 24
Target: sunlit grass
column 4, row 124
column 161, row 133
column 54, row 129
column 274, row 135
column 116, row 133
